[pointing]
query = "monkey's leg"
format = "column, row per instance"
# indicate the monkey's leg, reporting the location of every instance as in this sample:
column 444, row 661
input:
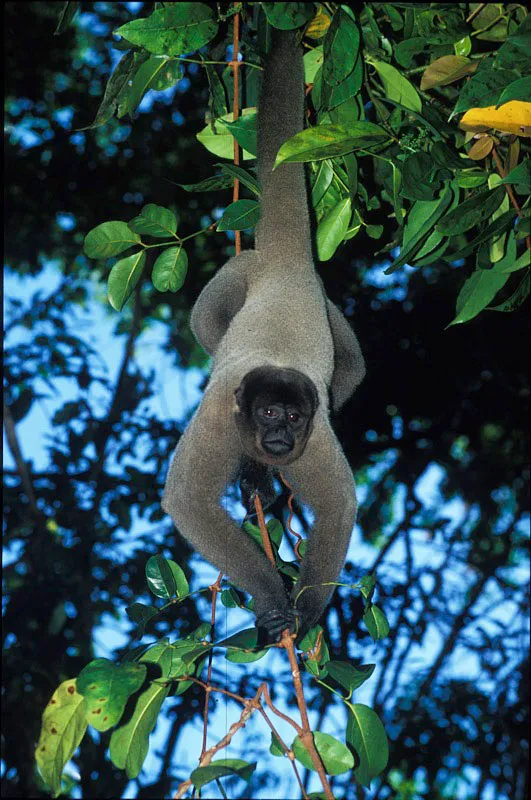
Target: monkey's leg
column 349, row 366
column 220, row 301
column 205, row 461
column 324, row 480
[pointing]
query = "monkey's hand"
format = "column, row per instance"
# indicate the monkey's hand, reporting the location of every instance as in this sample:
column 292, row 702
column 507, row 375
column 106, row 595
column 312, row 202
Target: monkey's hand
column 273, row 622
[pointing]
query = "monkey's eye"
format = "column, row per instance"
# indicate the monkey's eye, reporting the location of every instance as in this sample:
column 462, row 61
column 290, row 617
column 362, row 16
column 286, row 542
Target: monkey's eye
column 293, row 417
column 270, row 412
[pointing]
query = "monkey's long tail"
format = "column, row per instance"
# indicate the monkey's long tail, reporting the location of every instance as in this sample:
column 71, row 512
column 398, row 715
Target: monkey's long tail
column 284, row 227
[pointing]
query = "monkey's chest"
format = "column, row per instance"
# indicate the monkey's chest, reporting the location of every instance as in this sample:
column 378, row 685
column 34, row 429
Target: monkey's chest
column 283, row 328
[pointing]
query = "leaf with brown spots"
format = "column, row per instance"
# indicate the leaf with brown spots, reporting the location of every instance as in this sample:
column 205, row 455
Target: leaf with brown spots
column 106, row 688
column 63, row 726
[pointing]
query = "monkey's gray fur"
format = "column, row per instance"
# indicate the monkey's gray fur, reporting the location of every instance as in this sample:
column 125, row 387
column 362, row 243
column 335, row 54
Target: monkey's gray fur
column 267, row 307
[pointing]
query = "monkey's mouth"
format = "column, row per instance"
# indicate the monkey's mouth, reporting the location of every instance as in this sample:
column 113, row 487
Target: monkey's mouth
column 278, row 446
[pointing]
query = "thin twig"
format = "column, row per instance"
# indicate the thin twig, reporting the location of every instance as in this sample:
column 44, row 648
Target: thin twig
column 286, row 642
column 509, row 190
column 215, row 589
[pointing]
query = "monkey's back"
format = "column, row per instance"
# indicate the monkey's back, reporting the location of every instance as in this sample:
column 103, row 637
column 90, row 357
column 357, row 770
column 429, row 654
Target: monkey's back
column 280, row 327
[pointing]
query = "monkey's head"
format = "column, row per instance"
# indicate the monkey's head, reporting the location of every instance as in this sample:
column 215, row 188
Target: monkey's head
column 274, row 413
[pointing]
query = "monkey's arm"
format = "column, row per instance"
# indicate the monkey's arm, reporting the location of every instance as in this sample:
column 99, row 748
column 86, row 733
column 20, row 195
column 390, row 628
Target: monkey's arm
column 324, row 480
column 206, row 459
column 220, row 301
column 349, row 365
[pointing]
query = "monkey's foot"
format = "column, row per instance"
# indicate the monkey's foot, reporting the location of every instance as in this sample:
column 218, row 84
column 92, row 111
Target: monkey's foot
column 276, row 620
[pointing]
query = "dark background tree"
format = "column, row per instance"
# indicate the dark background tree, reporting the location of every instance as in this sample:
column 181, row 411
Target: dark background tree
column 451, row 400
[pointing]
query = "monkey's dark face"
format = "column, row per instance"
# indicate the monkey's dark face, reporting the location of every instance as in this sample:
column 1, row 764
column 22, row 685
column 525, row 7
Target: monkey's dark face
column 275, row 410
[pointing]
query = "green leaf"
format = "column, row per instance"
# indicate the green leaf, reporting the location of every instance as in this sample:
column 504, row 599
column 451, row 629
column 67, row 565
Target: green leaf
column 519, row 296
column 471, row 212
column 327, row 97
column 287, row 16
column 106, row 688
column 376, row 622
column 239, row 216
column 158, row 72
column 397, row 87
column 341, row 48
column 332, row 229
column 484, row 87
column 241, row 647
column 420, row 222
column 470, row 179
column 208, row 184
column 63, row 727
column 66, row 15
column 500, row 224
column 520, row 176
column 217, row 103
column 513, row 265
column 244, row 131
column 407, row 49
column 117, row 86
column 109, row 239
column 312, row 61
column 242, row 175
column 169, row 270
column 183, row 588
column 515, row 52
column 366, row 734
column 517, row 90
column 417, row 183
column 123, row 278
column 221, row 767
column 321, row 180
column 219, row 140
column 335, row 755
column 130, row 741
column 327, row 141
column 177, row 29
column 155, row 221
column 476, row 294
column 348, row 676
column 160, row 578
column 140, row 614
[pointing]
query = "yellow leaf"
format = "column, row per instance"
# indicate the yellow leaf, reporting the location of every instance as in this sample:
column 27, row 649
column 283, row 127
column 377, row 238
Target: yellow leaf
column 513, row 117
column 319, row 25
